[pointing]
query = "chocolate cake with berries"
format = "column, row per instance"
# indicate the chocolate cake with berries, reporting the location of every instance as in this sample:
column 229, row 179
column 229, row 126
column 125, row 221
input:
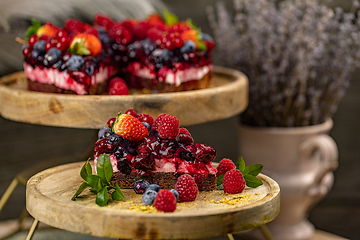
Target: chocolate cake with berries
column 155, row 150
column 156, row 54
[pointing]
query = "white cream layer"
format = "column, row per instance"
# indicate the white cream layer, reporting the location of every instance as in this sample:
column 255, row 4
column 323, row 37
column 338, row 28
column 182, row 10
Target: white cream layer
column 62, row 79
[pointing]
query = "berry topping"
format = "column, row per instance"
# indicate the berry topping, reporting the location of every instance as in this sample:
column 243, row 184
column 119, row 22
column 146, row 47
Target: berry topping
column 165, row 201
column 147, row 125
column 233, row 182
column 53, row 55
column 186, row 188
column 140, row 186
column 110, row 122
column 149, row 197
column 167, row 126
column 204, row 153
column 75, row 62
column 189, row 46
column 85, row 44
column 131, row 112
column 129, row 127
column 114, row 139
column 224, row 166
column 143, row 117
column 118, row 86
column 154, row 187
column 104, row 132
column 47, row 29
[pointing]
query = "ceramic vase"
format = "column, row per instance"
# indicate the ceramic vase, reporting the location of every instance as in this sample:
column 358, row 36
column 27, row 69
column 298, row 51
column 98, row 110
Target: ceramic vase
column 302, row 161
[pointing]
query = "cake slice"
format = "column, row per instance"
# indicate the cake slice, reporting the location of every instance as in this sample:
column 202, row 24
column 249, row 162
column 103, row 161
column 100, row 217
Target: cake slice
column 158, row 151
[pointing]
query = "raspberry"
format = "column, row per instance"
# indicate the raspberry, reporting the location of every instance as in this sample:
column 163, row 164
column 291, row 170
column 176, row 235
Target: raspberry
column 233, row 182
column 165, row 201
column 186, row 188
column 224, row 166
column 167, row 126
column 117, row 86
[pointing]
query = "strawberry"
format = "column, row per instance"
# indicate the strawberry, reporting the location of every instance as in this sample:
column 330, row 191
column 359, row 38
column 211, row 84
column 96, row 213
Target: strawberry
column 186, row 188
column 85, row 44
column 165, row 201
column 48, row 30
column 129, row 127
column 224, row 166
column 118, row 86
column 233, row 182
column 168, row 126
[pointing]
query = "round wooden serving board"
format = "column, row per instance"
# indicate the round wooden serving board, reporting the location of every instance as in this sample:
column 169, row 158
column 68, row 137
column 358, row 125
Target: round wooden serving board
column 226, row 97
column 49, row 193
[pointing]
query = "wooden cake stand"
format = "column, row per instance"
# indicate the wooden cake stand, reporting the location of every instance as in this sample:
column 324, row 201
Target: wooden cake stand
column 48, row 199
column 226, row 97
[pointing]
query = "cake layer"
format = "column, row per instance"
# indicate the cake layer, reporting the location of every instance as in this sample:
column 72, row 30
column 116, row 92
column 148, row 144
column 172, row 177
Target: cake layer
column 164, row 180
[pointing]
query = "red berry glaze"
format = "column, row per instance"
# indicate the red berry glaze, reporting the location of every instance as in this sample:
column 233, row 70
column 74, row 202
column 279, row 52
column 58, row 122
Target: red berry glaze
column 234, row 182
column 165, row 201
column 187, row 188
column 224, row 166
column 204, row 153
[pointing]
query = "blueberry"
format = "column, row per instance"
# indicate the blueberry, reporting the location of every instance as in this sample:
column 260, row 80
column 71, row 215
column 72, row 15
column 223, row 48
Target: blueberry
column 40, row 45
column 206, row 37
column 53, row 55
column 37, row 55
column 147, row 126
column 149, row 197
column 189, row 46
column 104, row 132
column 148, row 46
column 161, row 55
column 89, row 68
column 114, row 139
column 75, row 62
column 140, row 186
column 176, row 194
column 154, row 187
column 105, row 39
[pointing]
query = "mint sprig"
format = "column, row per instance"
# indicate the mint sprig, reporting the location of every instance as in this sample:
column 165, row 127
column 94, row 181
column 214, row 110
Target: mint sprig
column 249, row 172
column 35, row 25
column 100, row 183
column 169, row 18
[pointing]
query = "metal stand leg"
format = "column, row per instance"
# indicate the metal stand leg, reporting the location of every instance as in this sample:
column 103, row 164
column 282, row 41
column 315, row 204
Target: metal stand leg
column 8, row 192
column 266, row 232
column 229, row 236
column 32, row 229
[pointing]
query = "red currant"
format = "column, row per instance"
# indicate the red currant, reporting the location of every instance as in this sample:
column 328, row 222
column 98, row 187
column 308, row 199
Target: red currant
column 26, row 52
column 110, row 122
column 32, row 40
column 131, row 112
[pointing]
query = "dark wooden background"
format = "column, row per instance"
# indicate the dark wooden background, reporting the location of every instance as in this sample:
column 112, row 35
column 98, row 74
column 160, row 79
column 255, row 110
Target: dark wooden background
column 23, row 145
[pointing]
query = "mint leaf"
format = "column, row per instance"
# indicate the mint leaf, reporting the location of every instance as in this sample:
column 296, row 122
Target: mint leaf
column 220, row 187
column 253, row 169
column 35, row 25
column 95, row 182
column 169, row 18
column 102, row 197
column 82, row 187
column 117, row 194
column 240, row 165
column 252, row 181
column 219, row 179
column 86, row 170
column 104, row 168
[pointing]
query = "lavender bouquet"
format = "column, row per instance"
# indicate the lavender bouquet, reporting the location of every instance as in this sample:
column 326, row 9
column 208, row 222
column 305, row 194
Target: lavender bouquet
column 297, row 54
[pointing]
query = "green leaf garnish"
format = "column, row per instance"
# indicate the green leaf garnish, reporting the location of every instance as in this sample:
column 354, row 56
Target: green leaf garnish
column 82, row 187
column 104, row 168
column 252, row 181
column 102, row 197
column 117, row 194
column 99, row 184
column 240, row 164
column 79, row 48
column 253, row 169
column 249, row 173
column 201, row 45
column 35, row 25
column 169, row 18
column 86, row 170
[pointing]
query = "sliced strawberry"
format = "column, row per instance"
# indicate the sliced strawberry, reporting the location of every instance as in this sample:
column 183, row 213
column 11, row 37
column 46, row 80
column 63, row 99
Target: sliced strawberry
column 85, row 44
column 48, row 30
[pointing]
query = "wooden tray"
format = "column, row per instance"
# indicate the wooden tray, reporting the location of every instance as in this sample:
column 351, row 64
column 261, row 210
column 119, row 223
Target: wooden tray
column 227, row 96
column 48, row 199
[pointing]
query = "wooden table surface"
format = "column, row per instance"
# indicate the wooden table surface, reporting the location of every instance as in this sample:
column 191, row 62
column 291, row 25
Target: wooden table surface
column 48, row 199
column 226, row 97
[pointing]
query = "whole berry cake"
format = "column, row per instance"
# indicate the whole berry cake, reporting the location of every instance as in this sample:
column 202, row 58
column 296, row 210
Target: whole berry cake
column 155, row 150
column 156, row 54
